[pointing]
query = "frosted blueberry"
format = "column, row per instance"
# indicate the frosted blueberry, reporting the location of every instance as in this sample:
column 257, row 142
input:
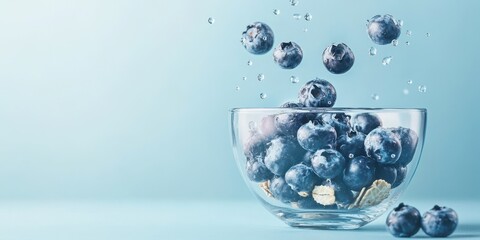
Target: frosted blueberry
column 288, row 55
column 338, row 58
column 383, row 29
column 317, row 93
column 258, row 38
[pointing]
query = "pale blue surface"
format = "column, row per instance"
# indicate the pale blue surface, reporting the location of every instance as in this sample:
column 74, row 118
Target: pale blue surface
column 128, row 99
column 183, row 220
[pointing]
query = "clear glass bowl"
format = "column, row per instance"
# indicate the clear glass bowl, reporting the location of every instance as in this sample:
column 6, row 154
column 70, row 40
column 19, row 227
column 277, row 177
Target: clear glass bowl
column 247, row 122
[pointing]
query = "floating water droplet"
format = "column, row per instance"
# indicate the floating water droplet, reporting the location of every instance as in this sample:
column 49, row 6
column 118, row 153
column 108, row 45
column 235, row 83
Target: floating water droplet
column 252, row 126
column 394, row 42
column 406, row 91
column 305, row 30
column 249, row 63
column 375, row 96
column 351, row 155
column 263, row 95
column 372, row 51
column 260, row 77
column 308, row 16
column 244, row 78
column 329, row 102
column 407, row 43
column 297, row 16
column 264, row 38
column 410, row 82
column 428, row 34
column 393, row 155
column 422, row 88
column 294, row 79
column 237, row 88
column 386, row 60
column 408, row 32
column 294, row 2
column 400, row 23
column 211, row 20
column 276, row 11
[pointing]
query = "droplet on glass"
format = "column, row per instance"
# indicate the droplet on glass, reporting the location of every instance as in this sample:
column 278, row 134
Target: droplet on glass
column 351, row 155
column 375, row 97
column 260, row 77
column 408, row 32
column 263, row 95
column 422, row 88
column 249, row 63
column 372, row 51
column 276, row 11
column 211, row 20
column 394, row 42
column 406, row 91
column 386, row 60
column 294, row 2
column 393, row 155
column 308, row 16
column 297, row 16
column 294, row 79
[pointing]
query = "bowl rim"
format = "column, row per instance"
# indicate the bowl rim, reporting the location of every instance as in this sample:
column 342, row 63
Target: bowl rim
column 315, row 109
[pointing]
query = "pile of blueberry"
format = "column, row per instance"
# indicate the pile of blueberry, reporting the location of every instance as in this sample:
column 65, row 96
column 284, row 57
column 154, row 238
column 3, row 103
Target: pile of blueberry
column 325, row 160
column 406, row 221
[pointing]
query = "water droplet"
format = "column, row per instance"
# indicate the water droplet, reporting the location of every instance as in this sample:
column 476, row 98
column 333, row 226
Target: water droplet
column 410, row 82
column 294, row 2
column 308, row 16
column 244, row 78
column 422, row 88
column 237, row 88
column 294, row 79
column 351, row 155
column 264, row 38
column 393, row 155
column 260, row 77
column 428, row 34
column 407, row 43
column 375, row 97
column 386, row 60
column 373, row 51
column 211, row 20
column 406, row 91
column 252, row 126
column 409, row 33
column 329, row 102
column 394, row 42
column 305, row 30
column 400, row 23
column 263, row 95
column 297, row 16
column 249, row 63
column 276, row 11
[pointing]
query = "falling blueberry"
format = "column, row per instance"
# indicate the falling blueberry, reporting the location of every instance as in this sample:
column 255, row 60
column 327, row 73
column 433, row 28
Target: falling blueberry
column 404, row 221
column 338, row 59
column 383, row 29
column 288, row 55
column 258, row 38
column 439, row 221
column 317, row 93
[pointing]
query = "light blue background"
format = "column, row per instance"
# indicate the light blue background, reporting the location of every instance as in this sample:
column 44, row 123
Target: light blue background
column 129, row 99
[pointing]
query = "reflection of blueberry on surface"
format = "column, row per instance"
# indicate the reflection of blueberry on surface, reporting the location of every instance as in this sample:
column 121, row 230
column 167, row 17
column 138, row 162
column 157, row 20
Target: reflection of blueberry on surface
column 317, row 93
column 383, row 29
column 338, row 58
column 258, row 38
column 366, row 122
column 301, row 179
column 382, row 145
column 409, row 140
column 386, row 172
column 328, row 163
column 439, row 221
column 257, row 171
column 288, row 55
column 401, row 174
column 282, row 154
column 316, row 135
column 404, row 221
column 352, row 144
column 282, row 191
column 359, row 173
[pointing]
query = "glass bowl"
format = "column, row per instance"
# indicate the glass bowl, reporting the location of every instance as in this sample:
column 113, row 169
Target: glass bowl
column 264, row 137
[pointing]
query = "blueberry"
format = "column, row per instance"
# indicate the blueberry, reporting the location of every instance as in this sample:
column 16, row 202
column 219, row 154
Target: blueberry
column 282, row 191
column 288, row 55
column 359, row 173
column 282, row 154
column 328, row 163
column 340, row 121
column 292, row 105
column 383, row 29
column 317, row 93
column 352, row 144
column 310, row 203
column 257, row 171
column 439, row 221
column 267, row 127
column 401, row 174
column 333, row 192
column 258, row 38
column 386, row 172
column 404, row 221
column 409, row 140
column 301, row 179
column 316, row 135
column 307, row 158
column 338, row 59
column 289, row 123
column 366, row 122
column 382, row 145
column 255, row 147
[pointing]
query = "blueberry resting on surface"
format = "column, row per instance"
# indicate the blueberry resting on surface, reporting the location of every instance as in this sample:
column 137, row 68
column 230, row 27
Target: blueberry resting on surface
column 386, row 172
column 404, row 221
column 439, row 221
column 382, row 145
column 288, row 55
column 282, row 191
column 409, row 140
column 255, row 147
column 366, row 122
column 338, row 59
column 316, row 135
column 359, row 173
column 301, row 179
column 317, row 93
column 282, row 154
column 401, row 174
column 257, row 171
column 258, row 38
column 328, row 163
column 352, row 145
column 383, row 29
